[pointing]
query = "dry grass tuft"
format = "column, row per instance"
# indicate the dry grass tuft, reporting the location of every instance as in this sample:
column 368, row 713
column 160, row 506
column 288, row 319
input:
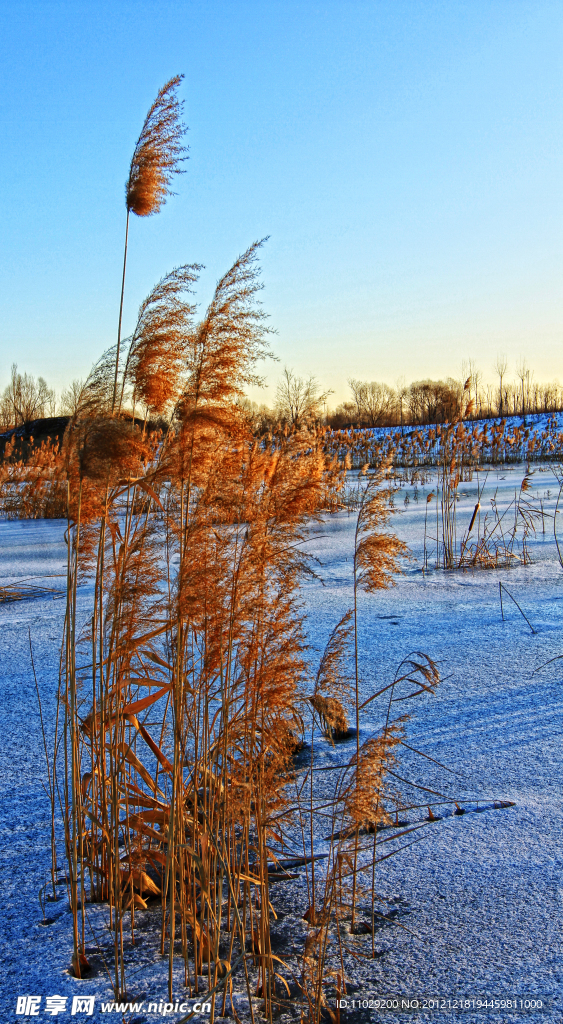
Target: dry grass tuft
column 332, row 716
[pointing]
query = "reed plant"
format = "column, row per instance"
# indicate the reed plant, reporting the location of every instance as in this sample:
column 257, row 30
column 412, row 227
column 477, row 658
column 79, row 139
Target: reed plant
column 183, row 701
column 186, row 688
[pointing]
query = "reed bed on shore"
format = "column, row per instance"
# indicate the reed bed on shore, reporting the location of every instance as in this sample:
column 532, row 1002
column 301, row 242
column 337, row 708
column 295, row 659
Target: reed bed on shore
column 489, row 443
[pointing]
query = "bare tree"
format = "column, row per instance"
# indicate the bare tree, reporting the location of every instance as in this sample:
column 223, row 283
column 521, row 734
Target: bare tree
column 477, row 382
column 402, row 394
column 530, row 404
column 72, row 397
column 474, row 376
column 523, row 374
column 374, row 401
column 434, row 401
column 26, row 399
column 501, row 364
column 549, row 396
column 299, row 400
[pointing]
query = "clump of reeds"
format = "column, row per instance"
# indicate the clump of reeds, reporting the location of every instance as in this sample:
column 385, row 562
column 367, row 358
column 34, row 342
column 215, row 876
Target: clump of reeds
column 182, row 701
column 501, row 539
column 332, row 684
column 33, row 487
column 365, row 800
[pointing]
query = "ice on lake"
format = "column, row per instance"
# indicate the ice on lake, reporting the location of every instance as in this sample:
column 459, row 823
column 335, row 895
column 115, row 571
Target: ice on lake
column 479, row 898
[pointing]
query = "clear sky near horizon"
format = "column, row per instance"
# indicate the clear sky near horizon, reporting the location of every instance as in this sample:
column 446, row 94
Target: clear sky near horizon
column 404, row 156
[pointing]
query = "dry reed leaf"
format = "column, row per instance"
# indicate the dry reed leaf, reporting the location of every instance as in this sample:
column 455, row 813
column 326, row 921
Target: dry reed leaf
column 136, row 901
column 156, row 856
column 142, row 882
column 145, row 702
column 158, row 816
column 156, row 658
column 144, row 829
column 130, row 756
column 155, row 749
column 145, row 486
column 137, row 797
column 80, row 965
column 97, row 823
column 284, row 982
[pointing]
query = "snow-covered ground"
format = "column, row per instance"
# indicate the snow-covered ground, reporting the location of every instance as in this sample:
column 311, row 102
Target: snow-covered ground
column 473, row 910
column 483, row 890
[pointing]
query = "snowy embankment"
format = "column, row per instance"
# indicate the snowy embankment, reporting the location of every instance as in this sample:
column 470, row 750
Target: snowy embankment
column 472, row 910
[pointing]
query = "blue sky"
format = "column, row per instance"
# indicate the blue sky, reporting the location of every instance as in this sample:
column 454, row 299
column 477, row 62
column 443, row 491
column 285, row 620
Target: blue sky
column 404, row 156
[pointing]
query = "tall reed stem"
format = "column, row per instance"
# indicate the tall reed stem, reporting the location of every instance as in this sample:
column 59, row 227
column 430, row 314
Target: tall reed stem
column 120, row 314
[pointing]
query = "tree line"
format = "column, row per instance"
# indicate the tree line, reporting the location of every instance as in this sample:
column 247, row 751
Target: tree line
column 373, row 404
column 301, row 401
column 27, row 398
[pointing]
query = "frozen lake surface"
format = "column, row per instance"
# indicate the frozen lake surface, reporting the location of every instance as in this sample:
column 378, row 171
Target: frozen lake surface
column 478, row 901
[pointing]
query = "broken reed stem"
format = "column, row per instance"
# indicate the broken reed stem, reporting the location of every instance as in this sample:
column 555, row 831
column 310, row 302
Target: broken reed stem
column 523, row 614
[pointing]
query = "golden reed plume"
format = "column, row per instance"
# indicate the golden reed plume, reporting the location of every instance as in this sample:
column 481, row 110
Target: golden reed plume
column 158, row 347
column 156, row 158
column 158, row 153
